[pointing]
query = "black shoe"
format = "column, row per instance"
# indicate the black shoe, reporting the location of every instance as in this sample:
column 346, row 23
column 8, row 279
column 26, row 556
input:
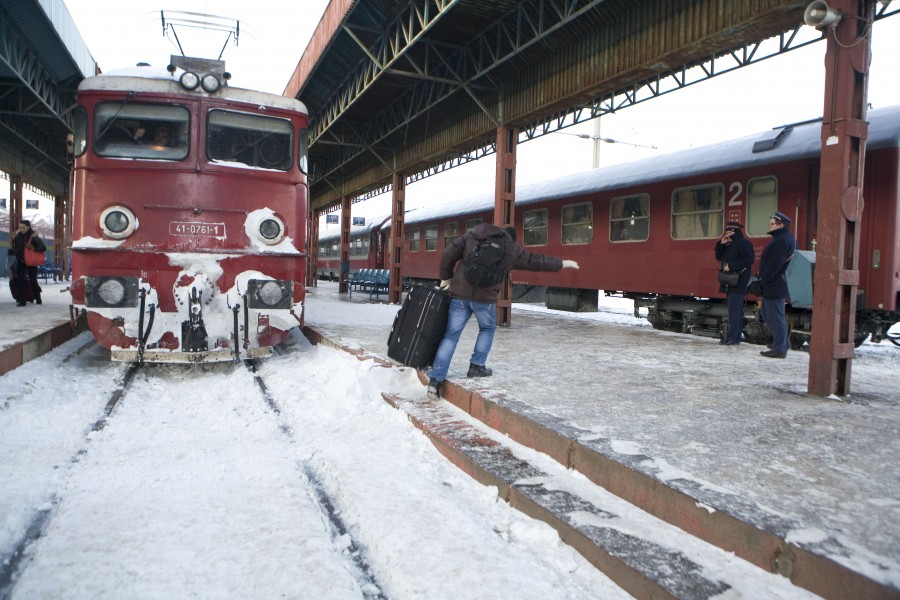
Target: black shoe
column 21, row 303
column 38, row 301
column 728, row 343
column 772, row 354
column 434, row 389
column 478, row 371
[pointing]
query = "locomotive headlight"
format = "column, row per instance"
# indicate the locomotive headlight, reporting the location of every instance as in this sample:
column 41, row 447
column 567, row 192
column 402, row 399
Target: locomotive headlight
column 269, row 293
column 189, row 80
column 110, row 291
column 270, row 230
column 210, row 83
column 118, row 222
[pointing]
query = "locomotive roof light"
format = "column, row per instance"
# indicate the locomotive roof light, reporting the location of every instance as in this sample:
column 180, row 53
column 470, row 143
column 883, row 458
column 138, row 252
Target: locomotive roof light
column 118, row 222
column 210, row 83
column 189, row 80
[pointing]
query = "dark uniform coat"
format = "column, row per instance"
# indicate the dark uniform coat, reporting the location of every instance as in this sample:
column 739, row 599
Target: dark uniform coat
column 773, row 263
column 739, row 256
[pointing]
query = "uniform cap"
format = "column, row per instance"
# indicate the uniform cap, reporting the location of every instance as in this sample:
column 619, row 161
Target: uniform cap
column 781, row 217
column 733, row 225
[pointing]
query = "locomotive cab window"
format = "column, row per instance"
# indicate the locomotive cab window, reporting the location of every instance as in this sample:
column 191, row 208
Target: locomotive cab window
column 578, row 223
column 144, row 131
column 535, row 227
column 413, row 240
column 252, row 140
column 629, row 218
column 303, row 151
column 762, row 201
column 79, row 132
column 697, row 212
column 451, row 232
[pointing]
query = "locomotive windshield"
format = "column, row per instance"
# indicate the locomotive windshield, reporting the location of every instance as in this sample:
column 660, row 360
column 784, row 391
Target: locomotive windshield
column 252, row 140
column 144, row 131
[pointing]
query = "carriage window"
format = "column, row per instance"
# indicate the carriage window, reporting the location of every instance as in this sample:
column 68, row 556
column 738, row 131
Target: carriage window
column 535, row 227
column 762, row 201
column 431, row 238
column 335, row 251
column 629, row 218
column 473, row 223
column 697, row 212
column 578, row 223
column 451, row 232
column 413, row 240
column 144, row 131
column 250, row 140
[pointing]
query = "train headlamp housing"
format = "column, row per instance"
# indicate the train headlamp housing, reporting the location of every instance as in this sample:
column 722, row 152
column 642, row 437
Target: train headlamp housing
column 271, row 230
column 210, row 83
column 118, row 222
column 189, row 80
column 111, row 292
column 269, row 294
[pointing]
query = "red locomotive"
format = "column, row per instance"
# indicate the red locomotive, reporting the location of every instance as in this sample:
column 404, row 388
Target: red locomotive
column 190, row 204
column 646, row 230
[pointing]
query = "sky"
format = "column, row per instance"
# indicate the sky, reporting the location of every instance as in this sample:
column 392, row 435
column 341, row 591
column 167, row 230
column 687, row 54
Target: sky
column 274, row 33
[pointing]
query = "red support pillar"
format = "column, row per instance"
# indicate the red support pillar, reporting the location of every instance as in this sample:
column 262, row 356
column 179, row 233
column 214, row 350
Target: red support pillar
column 505, row 206
column 398, row 203
column 312, row 251
column 16, row 189
column 840, row 203
column 60, row 241
column 343, row 288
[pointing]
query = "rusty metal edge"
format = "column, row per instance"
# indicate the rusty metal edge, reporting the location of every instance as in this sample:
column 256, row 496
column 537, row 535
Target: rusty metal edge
column 16, row 355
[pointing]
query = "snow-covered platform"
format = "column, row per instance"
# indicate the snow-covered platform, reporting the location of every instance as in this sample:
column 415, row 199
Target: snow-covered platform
column 718, row 440
column 27, row 332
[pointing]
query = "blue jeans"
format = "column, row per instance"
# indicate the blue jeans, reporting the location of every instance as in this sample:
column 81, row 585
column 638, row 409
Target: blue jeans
column 773, row 315
column 460, row 311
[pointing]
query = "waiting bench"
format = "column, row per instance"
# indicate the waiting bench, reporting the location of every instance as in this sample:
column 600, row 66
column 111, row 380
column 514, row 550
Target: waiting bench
column 375, row 281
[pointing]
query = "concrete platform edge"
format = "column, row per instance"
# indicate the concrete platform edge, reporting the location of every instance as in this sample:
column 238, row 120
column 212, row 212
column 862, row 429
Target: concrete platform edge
column 702, row 515
column 20, row 353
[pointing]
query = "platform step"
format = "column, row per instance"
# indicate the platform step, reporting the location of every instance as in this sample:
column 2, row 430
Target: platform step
column 616, row 537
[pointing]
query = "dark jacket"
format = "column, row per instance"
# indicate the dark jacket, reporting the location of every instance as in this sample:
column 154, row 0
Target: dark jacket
column 516, row 257
column 739, row 256
column 20, row 241
column 773, row 263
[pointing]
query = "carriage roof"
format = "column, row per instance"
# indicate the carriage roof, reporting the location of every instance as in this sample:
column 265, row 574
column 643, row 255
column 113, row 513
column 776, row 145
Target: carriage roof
column 781, row 144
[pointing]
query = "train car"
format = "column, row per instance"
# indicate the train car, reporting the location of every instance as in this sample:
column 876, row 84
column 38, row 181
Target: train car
column 647, row 230
column 190, row 204
column 368, row 245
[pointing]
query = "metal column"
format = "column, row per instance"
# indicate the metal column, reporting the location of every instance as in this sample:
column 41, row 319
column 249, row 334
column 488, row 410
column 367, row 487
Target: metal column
column 312, row 249
column 505, row 206
column 16, row 190
column 844, row 132
column 343, row 288
column 60, row 241
column 398, row 204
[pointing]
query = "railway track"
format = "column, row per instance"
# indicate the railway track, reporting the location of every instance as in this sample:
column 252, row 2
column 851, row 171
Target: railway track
column 359, row 563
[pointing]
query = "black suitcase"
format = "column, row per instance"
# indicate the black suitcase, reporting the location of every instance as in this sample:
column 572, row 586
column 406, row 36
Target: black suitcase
column 419, row 326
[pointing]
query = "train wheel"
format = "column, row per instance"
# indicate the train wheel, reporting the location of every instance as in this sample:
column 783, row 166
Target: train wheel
column 797, row 340
column 756, row 333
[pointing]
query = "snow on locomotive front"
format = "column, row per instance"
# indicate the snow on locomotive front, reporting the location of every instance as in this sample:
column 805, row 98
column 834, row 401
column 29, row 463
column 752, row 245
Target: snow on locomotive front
column 190, row 202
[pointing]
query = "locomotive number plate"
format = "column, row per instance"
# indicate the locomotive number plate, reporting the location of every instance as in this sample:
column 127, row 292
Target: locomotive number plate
column 197, row 229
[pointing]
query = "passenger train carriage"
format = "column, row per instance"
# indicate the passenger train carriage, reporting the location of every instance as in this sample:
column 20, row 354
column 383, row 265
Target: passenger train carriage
column 190, row 204
column 647, row 230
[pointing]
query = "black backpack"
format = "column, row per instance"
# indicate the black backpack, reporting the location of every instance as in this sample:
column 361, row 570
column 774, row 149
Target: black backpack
column 482, row 267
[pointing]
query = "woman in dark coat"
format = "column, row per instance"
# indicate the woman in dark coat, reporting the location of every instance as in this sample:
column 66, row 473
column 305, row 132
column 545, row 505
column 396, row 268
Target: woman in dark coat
column 26, row 277
column 735, row 253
